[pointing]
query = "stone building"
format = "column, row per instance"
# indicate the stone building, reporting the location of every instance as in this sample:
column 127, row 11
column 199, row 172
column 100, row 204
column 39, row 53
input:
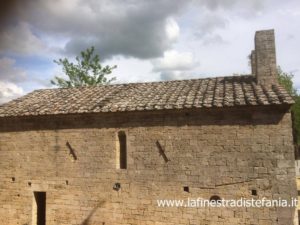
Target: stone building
column 297, row 166
column 105, row 155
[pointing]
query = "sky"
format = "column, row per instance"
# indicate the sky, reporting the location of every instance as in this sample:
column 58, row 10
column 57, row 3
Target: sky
column 148, row 40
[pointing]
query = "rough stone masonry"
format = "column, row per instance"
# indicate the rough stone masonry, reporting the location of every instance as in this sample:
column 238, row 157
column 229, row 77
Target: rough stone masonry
column 105, row 155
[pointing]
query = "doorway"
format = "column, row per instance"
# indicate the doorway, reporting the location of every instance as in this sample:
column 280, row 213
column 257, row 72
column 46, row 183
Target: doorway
column 39, row 208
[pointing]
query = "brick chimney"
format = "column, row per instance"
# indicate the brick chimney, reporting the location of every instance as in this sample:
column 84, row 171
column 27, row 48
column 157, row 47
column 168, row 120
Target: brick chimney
column 263, row 58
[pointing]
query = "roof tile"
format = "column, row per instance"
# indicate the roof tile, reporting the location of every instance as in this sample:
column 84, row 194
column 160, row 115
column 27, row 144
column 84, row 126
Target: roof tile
column 195, row 93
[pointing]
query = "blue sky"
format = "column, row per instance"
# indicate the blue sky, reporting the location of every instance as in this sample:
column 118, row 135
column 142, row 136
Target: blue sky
column 147, row 40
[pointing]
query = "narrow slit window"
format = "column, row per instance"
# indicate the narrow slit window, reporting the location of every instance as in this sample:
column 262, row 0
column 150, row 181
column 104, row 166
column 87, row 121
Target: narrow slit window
column 122, row 151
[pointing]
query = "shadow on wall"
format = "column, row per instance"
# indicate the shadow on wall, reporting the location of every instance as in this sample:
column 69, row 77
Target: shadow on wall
column 88, row 219
column 255, row 115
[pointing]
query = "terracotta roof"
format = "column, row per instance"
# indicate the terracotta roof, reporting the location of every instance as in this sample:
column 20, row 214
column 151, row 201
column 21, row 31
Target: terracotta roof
column 179, row 94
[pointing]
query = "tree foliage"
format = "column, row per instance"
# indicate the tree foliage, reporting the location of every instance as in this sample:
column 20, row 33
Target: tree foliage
column 87, row 71
column 285, row 79
column 296, row 118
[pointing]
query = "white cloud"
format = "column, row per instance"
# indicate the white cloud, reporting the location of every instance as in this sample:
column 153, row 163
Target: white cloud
column 9, row 91
column 9, row 75
column 153, row 40
column 173, row 60
column 207, row 22
column 10, row 72
column 175, row 65
column 175, row 75
column 246, row 6
column 131, row 70
column 133, row 28
column 172, row 29
column 20, row 39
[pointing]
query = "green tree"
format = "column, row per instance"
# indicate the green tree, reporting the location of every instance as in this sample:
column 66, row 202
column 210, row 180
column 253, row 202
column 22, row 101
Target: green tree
column 285, row 79
column 296, row 118
column 87, row 71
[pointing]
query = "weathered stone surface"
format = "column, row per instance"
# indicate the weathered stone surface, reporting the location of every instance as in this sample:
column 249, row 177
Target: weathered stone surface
column 263, row 58
column 226, row 152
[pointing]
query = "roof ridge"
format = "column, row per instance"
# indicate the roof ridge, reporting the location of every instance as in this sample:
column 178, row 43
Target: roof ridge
column 148, row 82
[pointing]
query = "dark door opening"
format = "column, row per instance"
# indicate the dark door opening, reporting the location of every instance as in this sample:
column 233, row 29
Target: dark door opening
column 40, row 199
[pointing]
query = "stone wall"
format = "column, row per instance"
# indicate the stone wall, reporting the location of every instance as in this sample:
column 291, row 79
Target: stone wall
column 231, row 153
column 263, row 58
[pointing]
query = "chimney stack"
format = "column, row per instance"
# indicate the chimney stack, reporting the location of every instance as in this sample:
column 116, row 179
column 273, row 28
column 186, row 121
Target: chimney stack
column 263, row 58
